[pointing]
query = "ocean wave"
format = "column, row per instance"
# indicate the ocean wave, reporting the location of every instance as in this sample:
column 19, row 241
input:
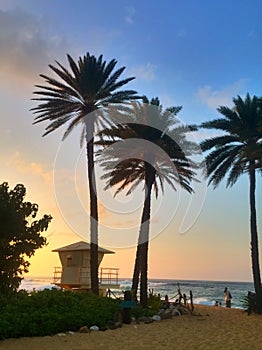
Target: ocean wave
column 204, row 292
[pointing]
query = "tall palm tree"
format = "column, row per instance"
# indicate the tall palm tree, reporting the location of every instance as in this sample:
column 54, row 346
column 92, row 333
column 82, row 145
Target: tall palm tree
column 239, row 151
column 166, row 161
column 74, row 99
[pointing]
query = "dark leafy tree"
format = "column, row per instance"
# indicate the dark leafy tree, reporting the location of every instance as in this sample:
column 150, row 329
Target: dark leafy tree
column 78, row 98
column 159, row 154
column 239, row 151
column 20, row 235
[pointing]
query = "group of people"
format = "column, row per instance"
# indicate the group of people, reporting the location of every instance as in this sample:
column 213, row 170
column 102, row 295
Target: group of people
column 181, row 300
column 166, row 304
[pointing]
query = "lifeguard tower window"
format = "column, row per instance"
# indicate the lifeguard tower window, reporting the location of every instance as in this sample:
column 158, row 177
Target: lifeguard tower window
column 69, row 261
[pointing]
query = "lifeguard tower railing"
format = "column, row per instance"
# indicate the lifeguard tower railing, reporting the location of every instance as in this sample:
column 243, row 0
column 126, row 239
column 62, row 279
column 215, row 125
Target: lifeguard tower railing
column 57, row 275
column 108, row 276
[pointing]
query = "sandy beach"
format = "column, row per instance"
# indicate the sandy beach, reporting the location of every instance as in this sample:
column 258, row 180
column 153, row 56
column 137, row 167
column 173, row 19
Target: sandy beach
column 213, row 328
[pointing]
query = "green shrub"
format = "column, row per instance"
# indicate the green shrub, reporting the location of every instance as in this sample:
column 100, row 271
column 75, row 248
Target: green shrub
column 48, row 312
column 154, row 304
column 249, row 303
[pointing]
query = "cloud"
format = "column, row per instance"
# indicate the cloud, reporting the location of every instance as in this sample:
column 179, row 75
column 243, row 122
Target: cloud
column 21, row 166
column 130, row 12
column 203, row 134
column 125, row 224
column 167, row 100
column 144, row 72
column 26, row 46
column 7, row 4
column 29, row 43
column 215, row 98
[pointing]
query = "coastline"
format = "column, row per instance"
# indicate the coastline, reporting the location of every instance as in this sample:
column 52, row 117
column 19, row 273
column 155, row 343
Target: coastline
column 204, row 292
column 211, row 328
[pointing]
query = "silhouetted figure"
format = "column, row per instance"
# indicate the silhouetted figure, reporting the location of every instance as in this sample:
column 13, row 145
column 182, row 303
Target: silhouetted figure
column 166, row 303
column 127, row 310
column 227, row 297
column 180, row 296
column 191, row 300
column 185, row 298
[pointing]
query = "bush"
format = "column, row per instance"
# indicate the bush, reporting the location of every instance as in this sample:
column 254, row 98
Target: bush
column 154, row 305
column 49, row 312
column 249, row 303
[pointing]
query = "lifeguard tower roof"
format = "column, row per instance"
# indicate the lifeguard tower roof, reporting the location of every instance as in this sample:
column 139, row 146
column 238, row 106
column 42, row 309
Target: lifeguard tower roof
column 81, row 245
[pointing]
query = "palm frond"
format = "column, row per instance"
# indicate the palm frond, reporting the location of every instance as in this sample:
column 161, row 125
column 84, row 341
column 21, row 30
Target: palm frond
column 218, row 156
column 74, row 68
column 65, row 75
column 232, row 152
column 150, row 124
column 219, row 124
column 236, row 171
column 218, row 141
column 120, row 96
column 78, row 119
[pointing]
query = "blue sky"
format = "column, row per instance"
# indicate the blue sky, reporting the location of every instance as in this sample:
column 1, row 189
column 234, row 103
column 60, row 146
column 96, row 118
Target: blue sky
column 197, row 54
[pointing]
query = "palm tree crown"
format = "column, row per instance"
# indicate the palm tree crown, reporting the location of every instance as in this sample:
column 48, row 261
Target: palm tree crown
column 149, row 122
column 240, row 147
column 91, row 84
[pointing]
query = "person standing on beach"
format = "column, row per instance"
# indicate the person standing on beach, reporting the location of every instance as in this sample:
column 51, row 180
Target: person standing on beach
column 227, row 297
column 191, row 300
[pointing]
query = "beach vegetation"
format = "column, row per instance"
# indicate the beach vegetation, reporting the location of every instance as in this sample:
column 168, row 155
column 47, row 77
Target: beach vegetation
column 76, row 98
column 49, row 312
column 154, row 304
column 159, row 153
column 236, row 151
column 249, row 303
column 21, row 235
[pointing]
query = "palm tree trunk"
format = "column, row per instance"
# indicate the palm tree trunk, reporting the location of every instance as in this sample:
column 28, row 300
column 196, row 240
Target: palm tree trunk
column 144, row 271
column 136, row 273
column 254, row 239
column 93, row 205
column 141, row 263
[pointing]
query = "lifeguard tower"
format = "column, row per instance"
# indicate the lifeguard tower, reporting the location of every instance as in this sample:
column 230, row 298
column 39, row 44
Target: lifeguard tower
column 74, row 273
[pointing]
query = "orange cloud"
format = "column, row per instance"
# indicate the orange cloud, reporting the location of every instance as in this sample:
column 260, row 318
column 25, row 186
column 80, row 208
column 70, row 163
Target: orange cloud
column 22, row 166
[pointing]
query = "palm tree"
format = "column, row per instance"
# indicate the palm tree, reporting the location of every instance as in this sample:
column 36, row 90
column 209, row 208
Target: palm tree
column 238, row 151
column 129, row 166
column 74, row 99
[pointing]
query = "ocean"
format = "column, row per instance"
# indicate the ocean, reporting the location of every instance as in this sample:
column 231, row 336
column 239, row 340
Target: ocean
column 204, row 292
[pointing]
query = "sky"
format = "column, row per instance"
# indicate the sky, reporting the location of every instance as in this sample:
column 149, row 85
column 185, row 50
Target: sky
column 194, row 54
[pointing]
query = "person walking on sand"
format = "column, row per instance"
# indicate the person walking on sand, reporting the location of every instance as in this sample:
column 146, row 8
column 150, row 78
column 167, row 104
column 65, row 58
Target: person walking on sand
column 227, row 297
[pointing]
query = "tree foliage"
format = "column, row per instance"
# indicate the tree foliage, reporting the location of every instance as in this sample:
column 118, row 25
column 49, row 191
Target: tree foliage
column 20, row 235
